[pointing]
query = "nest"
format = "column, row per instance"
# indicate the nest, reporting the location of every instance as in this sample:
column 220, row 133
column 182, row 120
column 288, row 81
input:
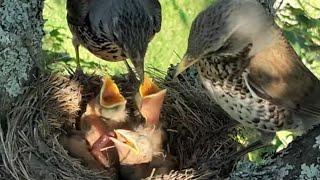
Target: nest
column 200, row 134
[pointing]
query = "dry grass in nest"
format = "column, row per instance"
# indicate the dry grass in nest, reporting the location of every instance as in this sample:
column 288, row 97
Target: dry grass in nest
column 29, row 135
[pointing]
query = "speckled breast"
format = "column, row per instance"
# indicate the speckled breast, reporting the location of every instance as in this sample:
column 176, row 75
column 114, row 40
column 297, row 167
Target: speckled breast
column 232, row 95
column 101, row 47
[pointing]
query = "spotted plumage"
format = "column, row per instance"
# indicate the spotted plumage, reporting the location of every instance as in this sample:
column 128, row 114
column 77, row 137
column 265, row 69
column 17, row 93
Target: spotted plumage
column 250, row 69
column 226, row 85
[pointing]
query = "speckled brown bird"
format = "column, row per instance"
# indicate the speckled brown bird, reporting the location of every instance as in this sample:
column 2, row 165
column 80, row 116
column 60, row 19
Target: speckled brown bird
column 114, row 30
column 141, row 150
column 250, row 69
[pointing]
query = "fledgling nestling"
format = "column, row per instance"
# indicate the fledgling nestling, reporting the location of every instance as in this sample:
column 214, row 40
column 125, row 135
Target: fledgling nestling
column 78, row 147
column 141, row 150
column 104, row 114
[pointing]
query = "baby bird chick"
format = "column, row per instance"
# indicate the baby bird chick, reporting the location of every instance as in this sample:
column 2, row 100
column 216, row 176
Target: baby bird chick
column 141, row 150
column 102, row 116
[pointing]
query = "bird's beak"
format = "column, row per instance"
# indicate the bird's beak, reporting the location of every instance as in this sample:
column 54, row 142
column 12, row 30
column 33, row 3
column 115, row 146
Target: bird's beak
column 149, row 100
column 139, row 67
column 184, row 64
column 125, row 141
column 110, row 95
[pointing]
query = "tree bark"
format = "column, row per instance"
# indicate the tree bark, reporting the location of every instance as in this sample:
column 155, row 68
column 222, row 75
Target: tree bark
column 300, row 160
column 21, row 32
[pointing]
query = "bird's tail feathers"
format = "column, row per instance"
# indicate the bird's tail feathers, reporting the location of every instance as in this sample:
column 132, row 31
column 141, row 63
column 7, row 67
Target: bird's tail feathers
column 309, row 110
column 311, row 103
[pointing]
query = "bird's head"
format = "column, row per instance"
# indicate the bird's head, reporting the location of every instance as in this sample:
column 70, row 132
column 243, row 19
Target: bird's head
column 141, row 144
column 133, row 147
column 149, row 100
column 199, row 40
column 113, row 104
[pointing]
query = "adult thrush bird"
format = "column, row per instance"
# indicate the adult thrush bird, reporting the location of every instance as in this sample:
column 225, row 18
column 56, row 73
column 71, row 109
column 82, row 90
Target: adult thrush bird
column 141, row 150
column 114, row 30
column 250, row 69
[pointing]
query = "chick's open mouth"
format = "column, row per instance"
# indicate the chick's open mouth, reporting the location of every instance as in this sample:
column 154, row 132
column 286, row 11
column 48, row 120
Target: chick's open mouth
column 123, row 139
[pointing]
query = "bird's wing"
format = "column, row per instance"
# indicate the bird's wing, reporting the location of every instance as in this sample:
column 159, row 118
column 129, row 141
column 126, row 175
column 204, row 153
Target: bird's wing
column 116, row 20
column 303, row 101
column 103, row 16
column 277, row 74
column 154, row 9
column 311, row 104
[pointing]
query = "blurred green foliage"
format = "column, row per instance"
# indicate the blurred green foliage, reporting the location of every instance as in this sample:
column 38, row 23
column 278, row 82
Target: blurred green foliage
column 300, row 20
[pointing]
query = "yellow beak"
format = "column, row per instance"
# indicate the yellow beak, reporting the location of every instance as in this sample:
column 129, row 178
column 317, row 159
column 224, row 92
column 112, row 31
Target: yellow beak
column 150, row 100
column 184, row 64
column 110, row 95
column 125, row 141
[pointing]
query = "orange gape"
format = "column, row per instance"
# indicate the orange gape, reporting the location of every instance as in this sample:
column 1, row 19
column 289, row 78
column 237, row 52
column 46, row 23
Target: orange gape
column 110, row 94
column 148, row 87
column 140, row 150
column 150, row 100
column 144, row 141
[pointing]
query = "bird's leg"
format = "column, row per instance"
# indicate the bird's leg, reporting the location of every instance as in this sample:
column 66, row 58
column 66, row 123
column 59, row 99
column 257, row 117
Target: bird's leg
column 251, row 147
column 264, row 141
column 76, row 45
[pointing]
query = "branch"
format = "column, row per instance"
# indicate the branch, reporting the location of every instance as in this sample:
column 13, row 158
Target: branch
column 300, row 160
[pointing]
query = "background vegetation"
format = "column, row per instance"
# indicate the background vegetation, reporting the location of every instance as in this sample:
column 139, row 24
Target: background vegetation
column 300, row 20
